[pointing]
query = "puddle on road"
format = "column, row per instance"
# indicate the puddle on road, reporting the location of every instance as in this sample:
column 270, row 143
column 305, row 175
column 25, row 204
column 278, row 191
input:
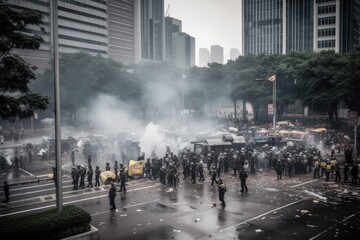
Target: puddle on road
column 159, row 208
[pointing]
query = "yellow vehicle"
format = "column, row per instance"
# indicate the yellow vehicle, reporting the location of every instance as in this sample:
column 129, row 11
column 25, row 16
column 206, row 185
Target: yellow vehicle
column 107, row 176
column 293, row 135
column 136, row 168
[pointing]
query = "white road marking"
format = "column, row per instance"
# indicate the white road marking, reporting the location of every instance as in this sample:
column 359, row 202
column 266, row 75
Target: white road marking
column 29, row 173
column 315, row 195
column 38, row 191
column 298, row 185
column 128, row 206
column 333, row 226
column 37, row 186
column 70, row 202
column 256, row 217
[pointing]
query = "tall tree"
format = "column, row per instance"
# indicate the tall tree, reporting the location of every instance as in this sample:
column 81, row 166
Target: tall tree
column 319, row 77
column 83, row 77
column 16, row 99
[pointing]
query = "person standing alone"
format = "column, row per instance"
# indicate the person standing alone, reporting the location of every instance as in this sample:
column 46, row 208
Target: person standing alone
column 243, row 176
column 222, row 191
column 6, row 189
column 112, row 195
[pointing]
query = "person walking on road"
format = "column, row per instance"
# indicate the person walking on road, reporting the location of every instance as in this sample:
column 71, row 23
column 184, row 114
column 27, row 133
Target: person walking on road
column 97, row 176
column 346, row 173
column 354, row 174
column 6, row 189
column 337, row 173
column 122, row 180
column 243, row 176
column 328, row 171
column 90, row 174
column 222, row 191
column 112, row 195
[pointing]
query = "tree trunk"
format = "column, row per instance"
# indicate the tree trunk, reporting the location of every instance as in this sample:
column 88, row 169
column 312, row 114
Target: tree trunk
column 244, row 111
column 234, row 103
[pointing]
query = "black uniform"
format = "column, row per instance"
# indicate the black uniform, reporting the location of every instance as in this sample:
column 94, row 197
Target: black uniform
column 112, row 195
column 6, row 189
column 82, row 178
column 122, row 181
column 90, row 176
column 97, row 176
column 75, row 177
column 243, row 176
column 222, row 191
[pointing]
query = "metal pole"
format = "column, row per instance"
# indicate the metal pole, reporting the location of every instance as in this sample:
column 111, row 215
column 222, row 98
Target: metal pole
column 355, row 139
column 58, row 174
column 274, row 103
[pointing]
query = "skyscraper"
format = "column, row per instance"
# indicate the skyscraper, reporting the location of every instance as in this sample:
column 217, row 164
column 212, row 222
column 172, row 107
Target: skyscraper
column 281, row 26
column 337, row 25
column 122, row 29
column 277, row 26
column 204, row 57
column 172, row 25
column 82, row 27
column 179, row 46
column 183, row 50
column 217, row 54
column 234, row 53
column 152, row 30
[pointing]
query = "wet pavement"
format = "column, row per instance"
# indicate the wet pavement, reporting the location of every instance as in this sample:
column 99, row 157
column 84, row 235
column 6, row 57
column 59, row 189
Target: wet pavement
column 297, row 208
column 292, row 208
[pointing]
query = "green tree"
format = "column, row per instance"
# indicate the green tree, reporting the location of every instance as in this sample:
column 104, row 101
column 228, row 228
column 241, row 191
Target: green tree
column 320, row 76
column 82, row 78
column 16, row 99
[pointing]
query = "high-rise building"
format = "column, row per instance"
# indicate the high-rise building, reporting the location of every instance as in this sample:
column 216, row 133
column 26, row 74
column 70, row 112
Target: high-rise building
column 277, row 26
column 179, row 46
column 204, row 57
column 125, row 30
column 172, row 25
column 122, row 29
column 350, row 25
column 183, row 50
column 281, row 26
column 152, row 30
column 217, row 54
column 337, row 25
column 82, row 26
column 234, row 53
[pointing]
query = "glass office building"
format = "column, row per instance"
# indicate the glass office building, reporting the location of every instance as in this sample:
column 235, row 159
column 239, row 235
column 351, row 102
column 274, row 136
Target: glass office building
column 152, row 30
column 281, row 26
column 277, row 26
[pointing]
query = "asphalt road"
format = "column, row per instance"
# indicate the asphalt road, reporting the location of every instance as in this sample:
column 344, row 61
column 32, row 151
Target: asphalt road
column 297, row 208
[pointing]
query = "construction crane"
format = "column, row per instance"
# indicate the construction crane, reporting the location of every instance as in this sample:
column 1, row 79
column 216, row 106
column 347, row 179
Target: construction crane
column 167, row 11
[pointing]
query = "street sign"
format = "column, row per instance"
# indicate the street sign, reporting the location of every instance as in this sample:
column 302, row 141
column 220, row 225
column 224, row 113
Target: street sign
column 353, row 118
column 270, row 109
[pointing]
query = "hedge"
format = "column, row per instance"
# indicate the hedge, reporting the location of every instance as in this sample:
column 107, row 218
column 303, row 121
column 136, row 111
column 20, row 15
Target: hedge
column 47, row 225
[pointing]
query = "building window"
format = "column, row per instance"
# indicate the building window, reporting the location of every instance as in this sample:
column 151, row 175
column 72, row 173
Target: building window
column 324, row 1
column 326, row 21
column 326, row 44
column 326, row 32
column 327, row 9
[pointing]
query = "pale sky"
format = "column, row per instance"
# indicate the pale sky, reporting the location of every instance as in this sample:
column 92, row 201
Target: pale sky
column 211, row 22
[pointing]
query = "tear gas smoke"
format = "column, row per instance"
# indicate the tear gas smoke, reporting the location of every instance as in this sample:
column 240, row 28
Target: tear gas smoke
column 113, row 116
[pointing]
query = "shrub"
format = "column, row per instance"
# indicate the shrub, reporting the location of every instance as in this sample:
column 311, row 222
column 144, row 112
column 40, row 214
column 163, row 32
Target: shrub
column 47, row 225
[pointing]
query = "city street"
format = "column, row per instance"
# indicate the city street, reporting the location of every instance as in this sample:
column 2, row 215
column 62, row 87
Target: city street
column 297, row 208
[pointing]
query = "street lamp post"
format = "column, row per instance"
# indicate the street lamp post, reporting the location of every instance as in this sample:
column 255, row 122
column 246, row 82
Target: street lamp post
column 183, row 98
column 273, row 80
column 55, row 51
column 274, row 102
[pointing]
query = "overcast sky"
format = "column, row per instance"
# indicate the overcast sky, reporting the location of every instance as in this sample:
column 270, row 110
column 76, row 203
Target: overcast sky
column 211, row 22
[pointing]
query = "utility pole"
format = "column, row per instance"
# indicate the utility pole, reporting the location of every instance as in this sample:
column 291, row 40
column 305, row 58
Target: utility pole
column 55, row 48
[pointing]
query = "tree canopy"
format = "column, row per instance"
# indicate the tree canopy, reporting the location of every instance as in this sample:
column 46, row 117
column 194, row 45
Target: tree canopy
column 16, row 99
